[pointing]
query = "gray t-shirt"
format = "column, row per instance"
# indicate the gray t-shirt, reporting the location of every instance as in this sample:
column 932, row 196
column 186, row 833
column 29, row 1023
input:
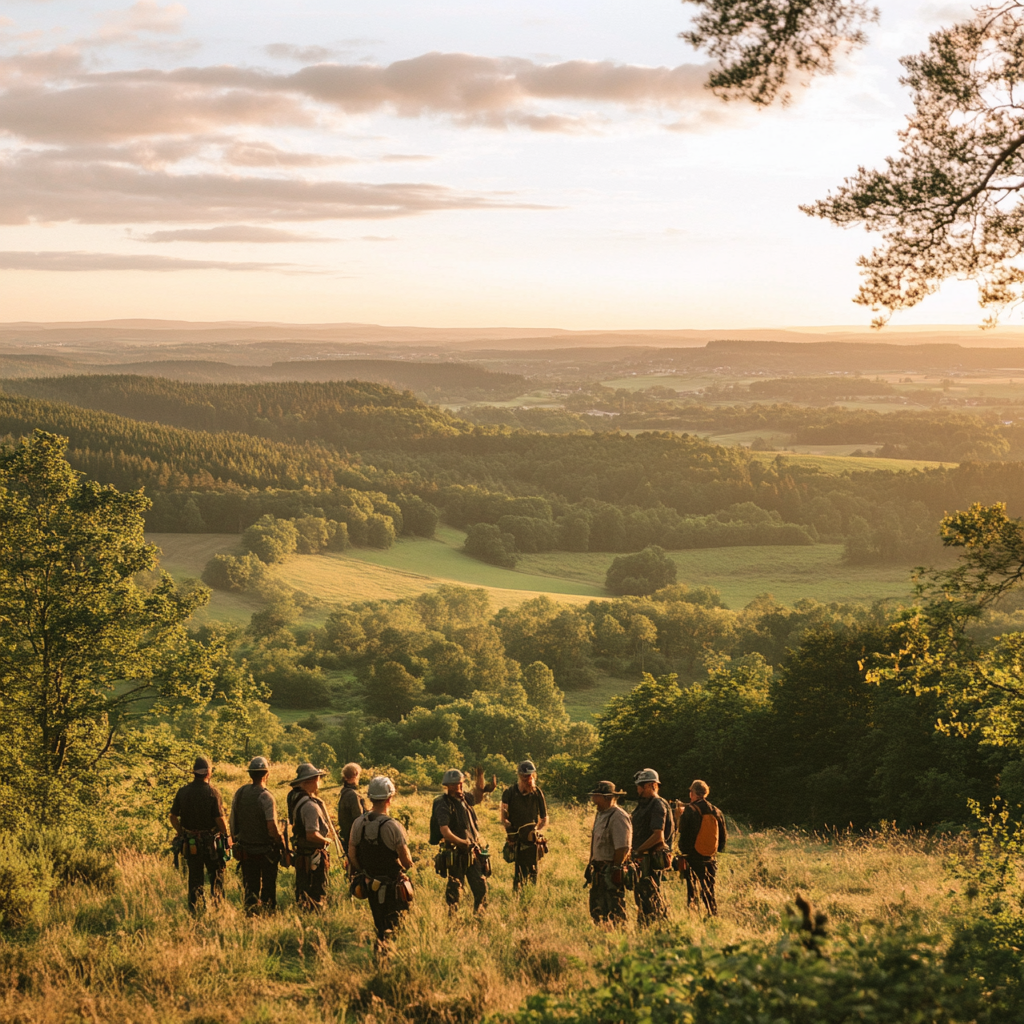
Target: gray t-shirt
column 391, row 833
column 312, row 816
column 613, row 830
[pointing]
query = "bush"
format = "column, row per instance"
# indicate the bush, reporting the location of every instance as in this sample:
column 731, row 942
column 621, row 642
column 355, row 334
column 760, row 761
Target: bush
column 892, row 977
column 70, row 861
column 237, row 574
column 486, row 542
column 271, row 539
column 26, row 882
column 640, row 574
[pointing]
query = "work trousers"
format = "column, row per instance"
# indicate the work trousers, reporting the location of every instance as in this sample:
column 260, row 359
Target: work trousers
column 700, row 881
column 650, row 904
column 607, row 900
column 199, row 867
column 310, row 882
column 259, row 882
column 526, row 866
column 471, row 876
column 387, row 913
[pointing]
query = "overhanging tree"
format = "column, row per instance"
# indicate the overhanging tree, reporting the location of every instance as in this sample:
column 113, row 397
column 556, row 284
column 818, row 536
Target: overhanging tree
column 949, row 204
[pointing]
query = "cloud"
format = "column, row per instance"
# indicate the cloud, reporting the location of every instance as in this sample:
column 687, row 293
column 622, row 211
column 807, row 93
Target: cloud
column 380, row 238
column 304, row 54
column 40, row 187
column 264, row 154
column 398, row 158
column 471, row 90
column 84, row 261
column 229, row 233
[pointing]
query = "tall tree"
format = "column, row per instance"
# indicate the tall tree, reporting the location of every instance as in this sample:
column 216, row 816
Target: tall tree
column 84, row 652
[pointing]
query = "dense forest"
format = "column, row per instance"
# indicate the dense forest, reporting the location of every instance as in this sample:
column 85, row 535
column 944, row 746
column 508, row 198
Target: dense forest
column 233, row 453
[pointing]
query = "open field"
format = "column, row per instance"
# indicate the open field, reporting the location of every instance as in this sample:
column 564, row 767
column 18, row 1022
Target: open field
column 413, row 566
column 184, row 556
column 790, row 573
column 133, row 953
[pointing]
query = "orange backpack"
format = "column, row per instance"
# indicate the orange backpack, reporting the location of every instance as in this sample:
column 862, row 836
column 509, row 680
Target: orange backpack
column 706, row 843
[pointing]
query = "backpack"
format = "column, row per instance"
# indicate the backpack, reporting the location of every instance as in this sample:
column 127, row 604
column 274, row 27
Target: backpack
column 706, row 843
column 435, row 828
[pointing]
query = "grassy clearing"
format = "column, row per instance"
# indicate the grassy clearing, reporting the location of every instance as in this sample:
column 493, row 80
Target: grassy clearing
column 413, row 566
column 184, row 556
column 134, row 954
column 834, row 465
column 790, row 573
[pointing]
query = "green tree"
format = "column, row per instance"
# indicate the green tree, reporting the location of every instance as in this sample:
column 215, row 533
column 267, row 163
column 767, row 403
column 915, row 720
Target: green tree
column 84, row 654
column 642, row 573
column 271, row 539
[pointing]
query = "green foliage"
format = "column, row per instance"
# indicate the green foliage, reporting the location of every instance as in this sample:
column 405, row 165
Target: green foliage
column 26, row 882
column 891, row 976
column 270, row 539
column 643, row 573
column 490, row 544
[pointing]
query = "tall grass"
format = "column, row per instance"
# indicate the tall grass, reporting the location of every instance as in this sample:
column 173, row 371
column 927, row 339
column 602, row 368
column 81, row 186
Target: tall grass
column 133, row 953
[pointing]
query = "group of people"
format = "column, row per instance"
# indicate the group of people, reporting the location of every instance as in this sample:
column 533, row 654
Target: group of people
column 627, row 851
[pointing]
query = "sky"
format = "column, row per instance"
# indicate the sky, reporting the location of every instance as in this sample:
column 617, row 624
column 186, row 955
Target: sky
column 554, row 164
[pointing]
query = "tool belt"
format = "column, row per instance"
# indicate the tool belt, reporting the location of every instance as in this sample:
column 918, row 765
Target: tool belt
column 528, row 837
column 367, row 887
column 653, row 861
column 612, row 875
column 206, row 843
column 265, row 851
column 311, row 858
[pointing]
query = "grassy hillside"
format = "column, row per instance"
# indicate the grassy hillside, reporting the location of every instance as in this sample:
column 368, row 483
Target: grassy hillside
column 132, row 953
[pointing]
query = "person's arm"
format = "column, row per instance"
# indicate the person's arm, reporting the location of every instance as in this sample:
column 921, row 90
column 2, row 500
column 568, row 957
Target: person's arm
column 652, row 842
column 451, row 837
column 721, row 830
column 622, row 836
column 503, row 817
column 311, row 823
column 353, row 844
column 480, row 789
column 404, row 856
column 542, row 821
column 270, row 810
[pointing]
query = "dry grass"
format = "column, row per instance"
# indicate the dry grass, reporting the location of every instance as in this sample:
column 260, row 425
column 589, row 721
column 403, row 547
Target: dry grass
column 135, row 955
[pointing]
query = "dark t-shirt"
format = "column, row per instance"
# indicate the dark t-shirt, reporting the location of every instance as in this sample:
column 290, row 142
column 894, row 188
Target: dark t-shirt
column 649, row 816
column 350, row 806
column 198, row 806
column 523, row 808
column 458, row 815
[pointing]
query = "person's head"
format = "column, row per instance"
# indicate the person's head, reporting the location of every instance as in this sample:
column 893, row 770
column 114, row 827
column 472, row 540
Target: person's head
column 350, row 773
column 699, row 789
column 380, row 791
column 201, row 769
column 452, row 781
column 527, row 776
column 647, row 782
column 307, row 778
column 258, row 768
column 604, row 795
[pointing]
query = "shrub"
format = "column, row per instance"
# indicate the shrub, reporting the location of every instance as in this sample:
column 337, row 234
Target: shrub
column 26, row 882
column 70, row 861
column 271, row 539
column 640, row 574
column 486, row 542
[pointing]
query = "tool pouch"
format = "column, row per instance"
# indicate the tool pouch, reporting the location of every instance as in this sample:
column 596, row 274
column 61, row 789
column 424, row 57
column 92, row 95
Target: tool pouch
column 441, row 864
column 588, row 874
column 359, row 887
column 403, row 890
column 508, row 852
column 483, row 861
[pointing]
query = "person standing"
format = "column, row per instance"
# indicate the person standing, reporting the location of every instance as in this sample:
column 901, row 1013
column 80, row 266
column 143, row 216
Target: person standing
column 311, row 835
column 379, row 850
column 652, row 830
column 701, row 838
column 197, row 817
column 350, row 804
column 454, row 815
column 257, row 839
column 523, row 814
column 610, row 844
